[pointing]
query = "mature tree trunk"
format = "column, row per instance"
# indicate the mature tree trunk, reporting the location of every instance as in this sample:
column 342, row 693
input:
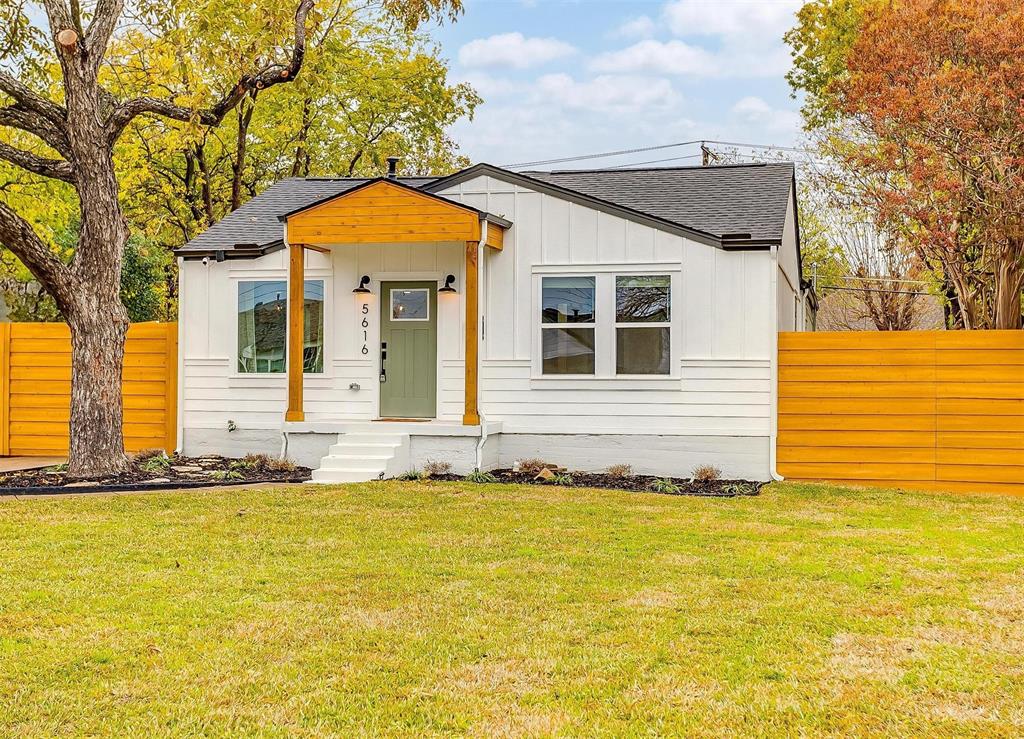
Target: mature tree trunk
column 93, row 309
column 1009, row 283
column 83, row 130
column 97, row 355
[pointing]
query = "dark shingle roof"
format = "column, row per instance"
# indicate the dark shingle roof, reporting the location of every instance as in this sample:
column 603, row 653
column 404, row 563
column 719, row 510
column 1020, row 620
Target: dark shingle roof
column 746, row 198
column 257, row 222
column 715, row 201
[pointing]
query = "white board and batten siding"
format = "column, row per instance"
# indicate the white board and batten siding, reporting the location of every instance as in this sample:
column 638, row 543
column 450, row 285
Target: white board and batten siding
column 721, row 329
column 214, row 392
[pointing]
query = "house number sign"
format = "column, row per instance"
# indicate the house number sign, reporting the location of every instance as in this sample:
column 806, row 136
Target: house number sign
column 365, row 323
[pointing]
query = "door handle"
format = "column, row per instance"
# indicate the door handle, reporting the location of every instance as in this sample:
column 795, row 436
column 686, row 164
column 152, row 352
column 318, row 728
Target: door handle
column 383, row 357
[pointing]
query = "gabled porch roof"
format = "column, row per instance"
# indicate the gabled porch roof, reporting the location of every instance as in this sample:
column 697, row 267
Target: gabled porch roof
column 385, row 210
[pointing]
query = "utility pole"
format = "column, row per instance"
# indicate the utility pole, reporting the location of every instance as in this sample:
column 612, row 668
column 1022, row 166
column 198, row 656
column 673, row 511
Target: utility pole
column 705, row 154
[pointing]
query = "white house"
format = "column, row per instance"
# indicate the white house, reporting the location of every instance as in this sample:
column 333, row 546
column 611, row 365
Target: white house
column 585, row 317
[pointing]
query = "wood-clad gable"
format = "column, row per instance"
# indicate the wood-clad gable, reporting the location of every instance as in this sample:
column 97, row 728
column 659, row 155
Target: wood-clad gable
column 383, row 212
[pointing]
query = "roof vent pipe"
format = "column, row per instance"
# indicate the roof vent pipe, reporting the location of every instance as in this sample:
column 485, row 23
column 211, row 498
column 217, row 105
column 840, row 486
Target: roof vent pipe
column 393, row 167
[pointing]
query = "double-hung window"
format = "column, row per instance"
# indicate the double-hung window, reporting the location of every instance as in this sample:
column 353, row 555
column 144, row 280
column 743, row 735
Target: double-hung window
column 606, row 324
column 643, row 324
column 263, row 322
column 568, row 325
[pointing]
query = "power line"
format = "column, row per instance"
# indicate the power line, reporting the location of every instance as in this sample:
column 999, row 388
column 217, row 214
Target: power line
column 870, row 290
column 759, row 146
column 601, row 155
column 885, row 279
column 653, row 161
column 621, row 152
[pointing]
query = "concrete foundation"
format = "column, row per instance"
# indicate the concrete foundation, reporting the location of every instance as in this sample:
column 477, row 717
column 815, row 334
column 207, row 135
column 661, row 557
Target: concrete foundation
column 739, row 457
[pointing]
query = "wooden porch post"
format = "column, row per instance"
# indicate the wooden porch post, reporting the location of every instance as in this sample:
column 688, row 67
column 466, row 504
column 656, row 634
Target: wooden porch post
column 296, row 308
column 471, row 416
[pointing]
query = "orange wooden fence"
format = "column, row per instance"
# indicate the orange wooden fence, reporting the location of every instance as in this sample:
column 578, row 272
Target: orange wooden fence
column 35, row 387
column 916, row 409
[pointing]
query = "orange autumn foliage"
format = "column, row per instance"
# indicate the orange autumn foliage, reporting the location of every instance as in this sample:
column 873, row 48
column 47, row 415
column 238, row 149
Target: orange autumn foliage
column 936, row 88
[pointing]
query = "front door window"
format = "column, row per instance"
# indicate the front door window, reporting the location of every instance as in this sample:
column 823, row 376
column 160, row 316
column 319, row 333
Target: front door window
column 410, row 305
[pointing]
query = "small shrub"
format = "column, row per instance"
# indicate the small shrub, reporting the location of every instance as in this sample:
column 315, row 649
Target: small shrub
column 437, row 469
column 532, row 466
column 619, row 471
column 740, row 488
column 263, row 463
column 62, row 467
column 663, row 485
column 411, row 475
column 143, row 454
column 564, row 480
column 481, row 477
column 223, row 475
column 706, row 473
column 155, row 464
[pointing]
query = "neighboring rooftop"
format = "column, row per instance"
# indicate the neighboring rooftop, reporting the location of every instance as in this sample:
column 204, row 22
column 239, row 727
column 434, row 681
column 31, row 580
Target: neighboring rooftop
column 718, row 200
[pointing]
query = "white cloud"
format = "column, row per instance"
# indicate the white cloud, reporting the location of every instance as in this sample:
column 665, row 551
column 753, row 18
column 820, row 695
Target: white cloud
column 755, row 111
column 751, row 108
column 754, row 21
column 639, row 27
column 513, row 50
column 745, row 41
column 660, row 57
column 608, row 93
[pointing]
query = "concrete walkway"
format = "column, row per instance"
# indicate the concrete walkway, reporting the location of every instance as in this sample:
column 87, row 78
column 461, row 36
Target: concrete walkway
column 17, row 464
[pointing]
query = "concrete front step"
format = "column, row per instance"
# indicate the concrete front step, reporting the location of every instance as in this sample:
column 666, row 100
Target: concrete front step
column 353, row 475
column 362, row 456
column 347, row 448
column 355, row 462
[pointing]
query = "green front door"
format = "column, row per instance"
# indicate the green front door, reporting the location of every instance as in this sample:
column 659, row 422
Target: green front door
column 408, row 336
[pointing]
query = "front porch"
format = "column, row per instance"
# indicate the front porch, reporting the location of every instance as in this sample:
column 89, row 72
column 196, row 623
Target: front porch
column 385, row 213
column 357, row 451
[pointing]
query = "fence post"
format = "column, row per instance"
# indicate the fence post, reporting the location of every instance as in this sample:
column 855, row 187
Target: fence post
column 171, row 388
column 5, row 389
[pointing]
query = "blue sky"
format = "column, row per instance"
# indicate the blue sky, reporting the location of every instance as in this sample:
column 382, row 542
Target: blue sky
column 567, row 77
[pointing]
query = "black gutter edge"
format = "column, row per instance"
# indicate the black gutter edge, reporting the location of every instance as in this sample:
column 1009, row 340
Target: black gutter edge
column 579, row 198
column 498, row 220
column 237, row 251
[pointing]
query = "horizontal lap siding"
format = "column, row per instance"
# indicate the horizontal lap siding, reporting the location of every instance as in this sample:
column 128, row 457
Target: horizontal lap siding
column 927, row 409
column 706, row 400
column 37, row 388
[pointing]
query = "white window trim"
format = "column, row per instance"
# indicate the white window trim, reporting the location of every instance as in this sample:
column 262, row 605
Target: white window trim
column 605, row 325
column 236, row 378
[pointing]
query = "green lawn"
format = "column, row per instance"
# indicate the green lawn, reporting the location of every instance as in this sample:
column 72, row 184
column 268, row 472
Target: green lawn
column 418, row 608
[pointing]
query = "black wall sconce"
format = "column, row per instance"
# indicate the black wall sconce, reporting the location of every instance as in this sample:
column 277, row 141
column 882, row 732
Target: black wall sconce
column 448, row 282
column 363, row 282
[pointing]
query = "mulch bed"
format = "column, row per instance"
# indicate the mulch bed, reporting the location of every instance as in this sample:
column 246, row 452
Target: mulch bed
column 179, row 472
column 145, row 474
column 633, row 483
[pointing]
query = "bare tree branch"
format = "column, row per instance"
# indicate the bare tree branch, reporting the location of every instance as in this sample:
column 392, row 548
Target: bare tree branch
column 104, row 21
column 56, row 169
column 31, row 101
column 17, row 235
column 267, row 77
column 17, row 116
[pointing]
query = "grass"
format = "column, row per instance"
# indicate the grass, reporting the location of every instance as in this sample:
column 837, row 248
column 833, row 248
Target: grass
column 437, row 608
